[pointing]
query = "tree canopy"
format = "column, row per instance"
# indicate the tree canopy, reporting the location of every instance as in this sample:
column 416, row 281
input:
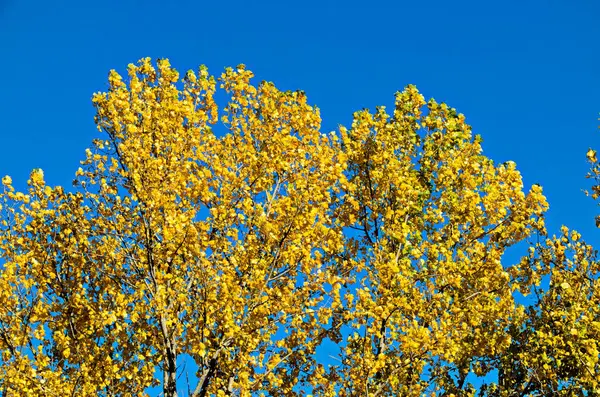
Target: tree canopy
column 238, row 250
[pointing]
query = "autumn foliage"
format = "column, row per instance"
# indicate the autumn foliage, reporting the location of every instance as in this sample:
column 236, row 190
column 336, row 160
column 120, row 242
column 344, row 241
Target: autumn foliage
column 239, row 250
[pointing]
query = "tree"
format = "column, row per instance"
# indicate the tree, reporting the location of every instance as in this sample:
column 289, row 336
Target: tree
column 245, row 254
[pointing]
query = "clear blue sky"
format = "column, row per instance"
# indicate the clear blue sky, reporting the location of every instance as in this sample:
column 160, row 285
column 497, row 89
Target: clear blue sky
column 525, row 73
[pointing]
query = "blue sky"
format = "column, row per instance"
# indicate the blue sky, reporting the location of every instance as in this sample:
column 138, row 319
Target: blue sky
column 523, row 72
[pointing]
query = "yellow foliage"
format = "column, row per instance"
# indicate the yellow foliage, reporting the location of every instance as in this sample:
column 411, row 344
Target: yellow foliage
column 241, row 237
